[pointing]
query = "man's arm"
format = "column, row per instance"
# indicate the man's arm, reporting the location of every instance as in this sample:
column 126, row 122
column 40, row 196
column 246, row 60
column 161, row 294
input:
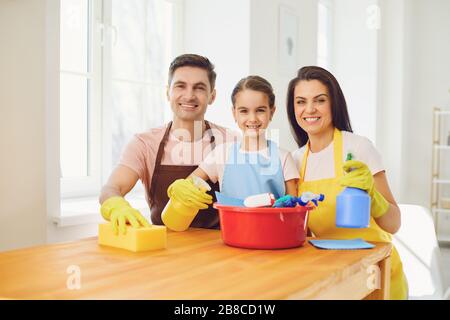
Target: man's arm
column 120, row 182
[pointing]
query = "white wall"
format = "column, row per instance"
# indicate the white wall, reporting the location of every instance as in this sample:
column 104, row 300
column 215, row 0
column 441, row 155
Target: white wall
column 241, row 38
column 414, row 78
column 22, row 129
column 390, row 108
column 220, row 31
column 355, row 62
column 264, row 52
column 427, row 63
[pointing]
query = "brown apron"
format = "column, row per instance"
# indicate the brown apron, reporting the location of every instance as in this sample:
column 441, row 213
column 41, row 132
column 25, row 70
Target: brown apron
column 164, row 175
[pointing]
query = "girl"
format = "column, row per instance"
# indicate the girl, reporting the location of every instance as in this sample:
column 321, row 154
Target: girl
column 319, row 120
column 252, row 165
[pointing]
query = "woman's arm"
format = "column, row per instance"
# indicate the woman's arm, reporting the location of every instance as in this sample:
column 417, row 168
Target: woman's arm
column 359, row 176
column 291, row 187
column 391, row 220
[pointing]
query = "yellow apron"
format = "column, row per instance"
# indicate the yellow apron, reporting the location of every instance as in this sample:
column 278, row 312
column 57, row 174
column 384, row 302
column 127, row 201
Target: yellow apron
column 322, row 219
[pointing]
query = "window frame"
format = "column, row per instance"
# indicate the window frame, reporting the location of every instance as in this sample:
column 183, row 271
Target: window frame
column 84, row 186
column 176, row 44
column 101, row 37
column 329, row 6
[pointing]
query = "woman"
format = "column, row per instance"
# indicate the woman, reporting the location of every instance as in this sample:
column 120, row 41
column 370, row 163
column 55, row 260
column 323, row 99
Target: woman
column 319, row 120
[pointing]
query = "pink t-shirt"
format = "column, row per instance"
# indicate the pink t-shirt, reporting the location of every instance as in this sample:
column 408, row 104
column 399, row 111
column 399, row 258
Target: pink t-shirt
column 140, row 153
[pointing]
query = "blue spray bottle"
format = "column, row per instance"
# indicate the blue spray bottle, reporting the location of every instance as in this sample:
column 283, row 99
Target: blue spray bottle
column 352, row 207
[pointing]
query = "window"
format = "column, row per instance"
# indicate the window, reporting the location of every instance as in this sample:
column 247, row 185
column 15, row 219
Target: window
column 80, row 96
column 113, row 72
column 324, row 35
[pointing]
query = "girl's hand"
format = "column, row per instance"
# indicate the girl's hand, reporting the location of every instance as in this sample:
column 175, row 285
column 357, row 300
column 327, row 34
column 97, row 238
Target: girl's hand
column 185, row 191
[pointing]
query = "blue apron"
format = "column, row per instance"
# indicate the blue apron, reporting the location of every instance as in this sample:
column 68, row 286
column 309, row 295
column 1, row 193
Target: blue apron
column 247, row 174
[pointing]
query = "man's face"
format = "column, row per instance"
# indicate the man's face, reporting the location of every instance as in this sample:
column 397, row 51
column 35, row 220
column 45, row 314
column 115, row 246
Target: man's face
column 189, row 93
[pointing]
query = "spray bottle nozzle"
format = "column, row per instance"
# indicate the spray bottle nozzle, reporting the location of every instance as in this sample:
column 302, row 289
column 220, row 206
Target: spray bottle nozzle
column 349, row 156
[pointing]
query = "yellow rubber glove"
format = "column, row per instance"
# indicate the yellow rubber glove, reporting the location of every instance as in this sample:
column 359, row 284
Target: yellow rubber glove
column 119, row 212
column 359, row 176
column 185, row 191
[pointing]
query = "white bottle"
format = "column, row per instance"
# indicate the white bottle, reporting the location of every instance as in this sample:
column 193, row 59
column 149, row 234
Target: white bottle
column 260, row 200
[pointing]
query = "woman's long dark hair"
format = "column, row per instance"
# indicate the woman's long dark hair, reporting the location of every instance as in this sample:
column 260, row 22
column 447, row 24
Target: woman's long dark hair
column 339, row 113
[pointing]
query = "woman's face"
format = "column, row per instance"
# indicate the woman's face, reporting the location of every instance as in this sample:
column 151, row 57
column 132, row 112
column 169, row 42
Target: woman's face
column 252, row 112
column 312, row 106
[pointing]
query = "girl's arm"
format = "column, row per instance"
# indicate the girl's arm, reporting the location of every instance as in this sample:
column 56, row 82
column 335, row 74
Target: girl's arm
column 199, row 173
column 391, row 220
column 291, row 187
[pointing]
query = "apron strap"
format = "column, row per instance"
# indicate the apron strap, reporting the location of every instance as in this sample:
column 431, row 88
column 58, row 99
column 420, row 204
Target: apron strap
column 212, row 139
column 160, row 154
column 303, row 168
column 337, row 153
column 338, row 156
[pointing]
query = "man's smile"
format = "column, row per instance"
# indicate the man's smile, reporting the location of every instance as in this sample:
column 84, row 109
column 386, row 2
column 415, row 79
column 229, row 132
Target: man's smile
column 188, row 106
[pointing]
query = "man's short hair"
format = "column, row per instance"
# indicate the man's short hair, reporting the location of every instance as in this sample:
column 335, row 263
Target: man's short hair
column 193, row 60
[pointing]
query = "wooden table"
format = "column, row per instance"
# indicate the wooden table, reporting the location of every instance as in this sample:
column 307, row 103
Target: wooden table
column 195, row 265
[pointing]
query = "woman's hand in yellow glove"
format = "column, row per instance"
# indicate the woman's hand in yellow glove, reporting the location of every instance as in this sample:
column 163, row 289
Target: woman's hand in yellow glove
column 359, row 176
column 185, row 191
column 120, row 212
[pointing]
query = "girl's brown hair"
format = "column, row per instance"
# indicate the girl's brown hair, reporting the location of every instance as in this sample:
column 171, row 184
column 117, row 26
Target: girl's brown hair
column 255, row 83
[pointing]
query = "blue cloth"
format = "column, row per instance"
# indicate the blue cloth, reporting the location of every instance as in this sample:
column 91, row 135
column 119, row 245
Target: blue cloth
column 250, row 173
column 228, row 201
column 342, row 244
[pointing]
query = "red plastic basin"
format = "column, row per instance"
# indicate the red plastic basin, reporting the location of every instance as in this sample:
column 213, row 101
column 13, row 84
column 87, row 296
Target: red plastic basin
column 263, row 228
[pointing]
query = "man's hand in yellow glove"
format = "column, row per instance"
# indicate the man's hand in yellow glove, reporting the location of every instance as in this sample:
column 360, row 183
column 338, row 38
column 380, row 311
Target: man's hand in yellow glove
column 120, row 212
column 359, row 176
column 185, row 191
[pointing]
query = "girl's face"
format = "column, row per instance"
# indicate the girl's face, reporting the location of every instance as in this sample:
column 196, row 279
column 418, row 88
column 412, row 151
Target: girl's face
column 252, row 112
column 312, row 106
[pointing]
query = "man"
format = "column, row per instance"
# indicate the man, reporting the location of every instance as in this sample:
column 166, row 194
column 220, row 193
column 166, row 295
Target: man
column 171, row 152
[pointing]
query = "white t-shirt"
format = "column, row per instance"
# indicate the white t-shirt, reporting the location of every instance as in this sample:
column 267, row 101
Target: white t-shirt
column 320, row 165
column 214, row 163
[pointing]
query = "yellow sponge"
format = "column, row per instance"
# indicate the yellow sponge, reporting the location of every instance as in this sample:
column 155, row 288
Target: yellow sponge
column 136, row 239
